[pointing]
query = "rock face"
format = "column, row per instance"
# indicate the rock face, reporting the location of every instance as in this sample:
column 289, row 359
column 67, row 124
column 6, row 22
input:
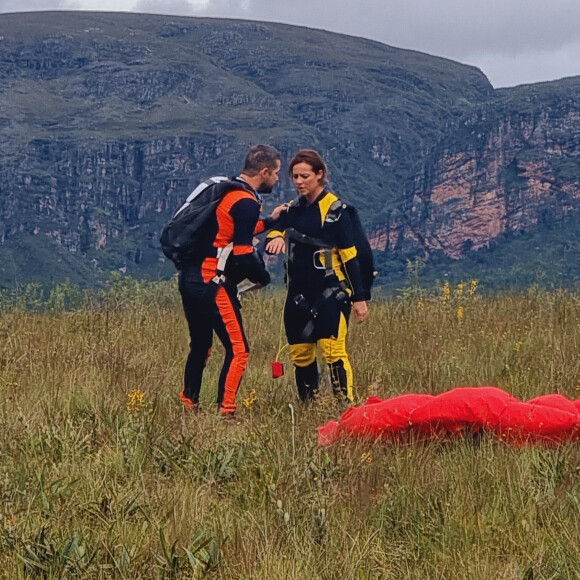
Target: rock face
column 506, row 169
column 108, row 120
column 98, row 193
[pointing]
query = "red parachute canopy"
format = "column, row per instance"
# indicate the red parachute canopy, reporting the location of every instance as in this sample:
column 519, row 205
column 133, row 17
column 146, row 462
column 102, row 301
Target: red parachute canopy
column 548, row 419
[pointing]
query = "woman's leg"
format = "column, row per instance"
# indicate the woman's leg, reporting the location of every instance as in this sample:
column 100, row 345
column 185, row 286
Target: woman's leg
column 302, row 354
column 334, row 351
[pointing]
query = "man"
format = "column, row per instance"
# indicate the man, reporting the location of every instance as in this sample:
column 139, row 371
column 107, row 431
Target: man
column 210, row 299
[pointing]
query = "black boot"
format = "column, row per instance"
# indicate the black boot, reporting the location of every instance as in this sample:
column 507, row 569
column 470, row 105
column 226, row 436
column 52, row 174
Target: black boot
column 338, row 381
column 307, row 381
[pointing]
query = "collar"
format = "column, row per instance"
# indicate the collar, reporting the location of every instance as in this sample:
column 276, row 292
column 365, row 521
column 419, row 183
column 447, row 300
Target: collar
column 248, row 186
column 302, row 200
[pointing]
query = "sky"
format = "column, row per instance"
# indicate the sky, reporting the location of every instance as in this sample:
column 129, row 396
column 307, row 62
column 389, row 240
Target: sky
column 512, row 41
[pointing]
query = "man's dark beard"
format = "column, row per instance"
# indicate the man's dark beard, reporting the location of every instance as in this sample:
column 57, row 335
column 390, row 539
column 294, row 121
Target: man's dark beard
column 265, row 188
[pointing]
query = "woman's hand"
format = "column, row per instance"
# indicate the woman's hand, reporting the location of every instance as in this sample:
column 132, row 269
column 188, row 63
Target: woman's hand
column 276, row 246
column 360, row 310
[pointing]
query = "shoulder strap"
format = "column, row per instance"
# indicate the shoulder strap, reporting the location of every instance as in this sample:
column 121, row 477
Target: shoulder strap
column 199, row 189
column 334, row 211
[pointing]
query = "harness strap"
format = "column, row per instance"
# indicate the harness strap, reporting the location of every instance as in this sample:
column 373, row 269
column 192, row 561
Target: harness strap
column 222, row 255
column 324, row 248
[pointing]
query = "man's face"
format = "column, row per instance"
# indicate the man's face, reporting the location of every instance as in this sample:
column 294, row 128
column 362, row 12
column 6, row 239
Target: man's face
column 269, row 178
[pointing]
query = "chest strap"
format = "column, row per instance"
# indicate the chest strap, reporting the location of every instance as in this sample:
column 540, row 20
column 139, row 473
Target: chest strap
column 324, row 249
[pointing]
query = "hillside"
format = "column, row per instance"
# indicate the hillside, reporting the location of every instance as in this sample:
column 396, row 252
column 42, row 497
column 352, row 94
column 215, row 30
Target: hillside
column 107, row 120
column 507, row 167
column 501, row 193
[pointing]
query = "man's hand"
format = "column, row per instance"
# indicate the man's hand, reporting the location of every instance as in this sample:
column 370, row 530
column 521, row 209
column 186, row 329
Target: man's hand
column 360, row 310
column 276, row 246
column 277, row 211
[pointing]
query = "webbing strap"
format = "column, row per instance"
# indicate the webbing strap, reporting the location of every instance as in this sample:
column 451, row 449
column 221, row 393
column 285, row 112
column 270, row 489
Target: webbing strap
column 222, row 255
column 294, row 236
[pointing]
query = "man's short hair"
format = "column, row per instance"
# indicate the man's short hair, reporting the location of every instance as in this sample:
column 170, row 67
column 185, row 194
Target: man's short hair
column 261, row 156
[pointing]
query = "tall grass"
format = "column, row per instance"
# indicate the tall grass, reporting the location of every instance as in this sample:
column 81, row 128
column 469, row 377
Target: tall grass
column 103, row 474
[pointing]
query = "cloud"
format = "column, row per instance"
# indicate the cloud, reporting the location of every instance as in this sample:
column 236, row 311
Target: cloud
column 173, row 7
column 32, row 5
column 451, row 25
column 530, row 66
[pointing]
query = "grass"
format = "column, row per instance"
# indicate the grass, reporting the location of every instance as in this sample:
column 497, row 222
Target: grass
column 104, row 475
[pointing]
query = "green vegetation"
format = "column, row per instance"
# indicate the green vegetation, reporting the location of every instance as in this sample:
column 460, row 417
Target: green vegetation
column 545, row 258
column 109, row 120
column 104, row 475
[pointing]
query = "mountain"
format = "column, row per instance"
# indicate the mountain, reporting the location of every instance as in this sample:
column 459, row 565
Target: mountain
column 508, row 170
column 108, row 120
column 507, row 167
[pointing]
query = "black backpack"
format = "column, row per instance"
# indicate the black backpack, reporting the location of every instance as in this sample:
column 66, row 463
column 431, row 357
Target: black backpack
column 181, row 236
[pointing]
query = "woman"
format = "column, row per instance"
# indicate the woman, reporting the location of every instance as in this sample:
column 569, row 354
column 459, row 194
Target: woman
column 323, row 276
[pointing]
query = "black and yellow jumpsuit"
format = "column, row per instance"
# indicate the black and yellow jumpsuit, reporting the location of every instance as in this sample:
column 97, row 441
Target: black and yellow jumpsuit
column 319, row 298
column 211, row 304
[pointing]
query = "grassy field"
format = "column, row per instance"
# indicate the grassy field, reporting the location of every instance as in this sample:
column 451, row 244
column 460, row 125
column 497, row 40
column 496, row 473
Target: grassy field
column 104, row 475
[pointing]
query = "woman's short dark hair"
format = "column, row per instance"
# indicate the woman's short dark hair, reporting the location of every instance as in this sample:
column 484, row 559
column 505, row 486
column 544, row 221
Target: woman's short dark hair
column 312, row 158
column 261, row 156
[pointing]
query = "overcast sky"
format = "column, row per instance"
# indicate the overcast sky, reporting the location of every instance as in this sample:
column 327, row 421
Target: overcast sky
column 511, row 41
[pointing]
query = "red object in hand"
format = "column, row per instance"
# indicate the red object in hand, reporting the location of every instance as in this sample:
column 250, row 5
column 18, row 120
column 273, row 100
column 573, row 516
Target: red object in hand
column 277, row 369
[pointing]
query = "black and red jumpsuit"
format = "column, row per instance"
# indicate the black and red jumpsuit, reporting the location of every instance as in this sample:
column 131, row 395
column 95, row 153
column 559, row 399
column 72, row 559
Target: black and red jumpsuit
column 214, row 306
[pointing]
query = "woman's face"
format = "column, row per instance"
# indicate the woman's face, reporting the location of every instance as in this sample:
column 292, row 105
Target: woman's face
column 307, row 182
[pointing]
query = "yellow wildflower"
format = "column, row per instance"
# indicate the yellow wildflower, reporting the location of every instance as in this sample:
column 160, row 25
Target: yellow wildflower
column 367, row 457
column 137, row 402
column 473, row 288
column 459, row 289
column 446, row 291
column 250, row 399
column 460, row 313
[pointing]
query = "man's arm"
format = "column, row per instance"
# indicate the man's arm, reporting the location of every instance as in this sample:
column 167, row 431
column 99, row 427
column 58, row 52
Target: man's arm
column 245, row 261
column 275, row 240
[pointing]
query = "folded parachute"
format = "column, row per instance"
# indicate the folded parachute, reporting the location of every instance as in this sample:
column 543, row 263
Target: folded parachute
column 549, row 419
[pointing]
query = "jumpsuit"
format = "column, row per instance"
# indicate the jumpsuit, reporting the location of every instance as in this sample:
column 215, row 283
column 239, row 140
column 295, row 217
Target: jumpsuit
column 319, row 297
column 211, row 302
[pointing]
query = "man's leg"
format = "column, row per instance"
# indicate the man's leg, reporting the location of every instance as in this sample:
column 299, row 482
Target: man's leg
column 230, row 330
column 194, row 299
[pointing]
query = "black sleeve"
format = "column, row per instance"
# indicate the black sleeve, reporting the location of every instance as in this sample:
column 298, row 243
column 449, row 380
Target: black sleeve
column 250, row 266
column 245, row 214
column 245, row 262
column 354, row 276
column 280, row 224
column 345, row 240
column 268, row 223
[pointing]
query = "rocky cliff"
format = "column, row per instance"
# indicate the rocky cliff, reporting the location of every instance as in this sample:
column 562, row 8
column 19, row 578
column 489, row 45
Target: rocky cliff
column 108, row 120
column 507, row 167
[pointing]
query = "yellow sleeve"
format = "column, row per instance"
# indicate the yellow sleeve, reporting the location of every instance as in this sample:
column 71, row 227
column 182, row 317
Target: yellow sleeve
column 275, row 234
